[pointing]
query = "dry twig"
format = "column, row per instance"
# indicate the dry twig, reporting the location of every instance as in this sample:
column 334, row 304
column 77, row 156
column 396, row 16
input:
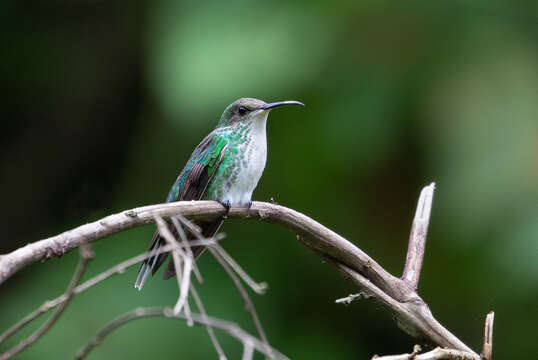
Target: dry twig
column 248, row 351
column 86, row 255
column 249, row 305
column 209, row 329
column 186, row 245
column 258, row 288
column 488, row 337
column 351, row 297
column 183, row 276
column 228, row 327
column 117, row 269
column 417, row 238
column 436, row 354
column 399, row 295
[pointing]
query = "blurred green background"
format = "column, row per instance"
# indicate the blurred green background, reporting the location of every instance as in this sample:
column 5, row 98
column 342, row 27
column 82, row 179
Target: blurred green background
column 105, row 100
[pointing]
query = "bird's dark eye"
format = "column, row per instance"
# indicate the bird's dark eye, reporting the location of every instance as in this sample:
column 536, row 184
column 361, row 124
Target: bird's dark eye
column 242, row 110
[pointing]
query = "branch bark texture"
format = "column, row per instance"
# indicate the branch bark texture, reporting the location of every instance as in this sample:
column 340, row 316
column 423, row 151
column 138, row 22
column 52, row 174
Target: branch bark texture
column 417, row 238
column 435, row 354
column 412, row 314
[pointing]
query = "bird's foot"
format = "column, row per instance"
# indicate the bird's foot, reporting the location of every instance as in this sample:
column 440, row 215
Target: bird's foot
column 227, row 205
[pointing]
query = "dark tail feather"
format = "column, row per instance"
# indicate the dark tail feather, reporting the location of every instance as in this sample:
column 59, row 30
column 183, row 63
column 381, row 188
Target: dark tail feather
column 209, row 229
column 152, row 263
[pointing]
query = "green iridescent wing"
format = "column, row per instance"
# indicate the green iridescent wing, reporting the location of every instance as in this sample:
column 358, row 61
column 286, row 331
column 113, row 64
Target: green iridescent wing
column 193, row 181
column 191, row 184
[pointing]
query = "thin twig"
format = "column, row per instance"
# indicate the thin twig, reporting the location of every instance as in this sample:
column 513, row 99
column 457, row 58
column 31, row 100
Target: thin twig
column 187, row 246
column 117, row 269
column 86, row 255
column 416, row 350
column 249, row 305
column 487, row 348
column 248, row 351
column 351, row 297
column 210, row 331
column 183, row 277
column 228, row 327
column 417, row 238
column 258, row 288
column 436, row 354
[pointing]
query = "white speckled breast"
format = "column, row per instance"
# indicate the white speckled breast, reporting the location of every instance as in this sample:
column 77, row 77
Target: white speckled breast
column 248, row 171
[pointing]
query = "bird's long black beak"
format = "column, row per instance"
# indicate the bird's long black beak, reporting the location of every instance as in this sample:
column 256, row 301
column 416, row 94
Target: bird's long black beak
column 280, row 103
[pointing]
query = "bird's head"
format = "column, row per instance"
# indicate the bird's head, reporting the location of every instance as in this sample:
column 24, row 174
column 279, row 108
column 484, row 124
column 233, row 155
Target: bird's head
column 247, row 110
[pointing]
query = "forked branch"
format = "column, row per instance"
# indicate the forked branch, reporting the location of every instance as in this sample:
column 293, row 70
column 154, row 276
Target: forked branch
column 398, row 295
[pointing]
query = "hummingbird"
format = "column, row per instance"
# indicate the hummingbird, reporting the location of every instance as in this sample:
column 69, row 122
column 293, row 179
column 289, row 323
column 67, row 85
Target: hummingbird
column 226, row 166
